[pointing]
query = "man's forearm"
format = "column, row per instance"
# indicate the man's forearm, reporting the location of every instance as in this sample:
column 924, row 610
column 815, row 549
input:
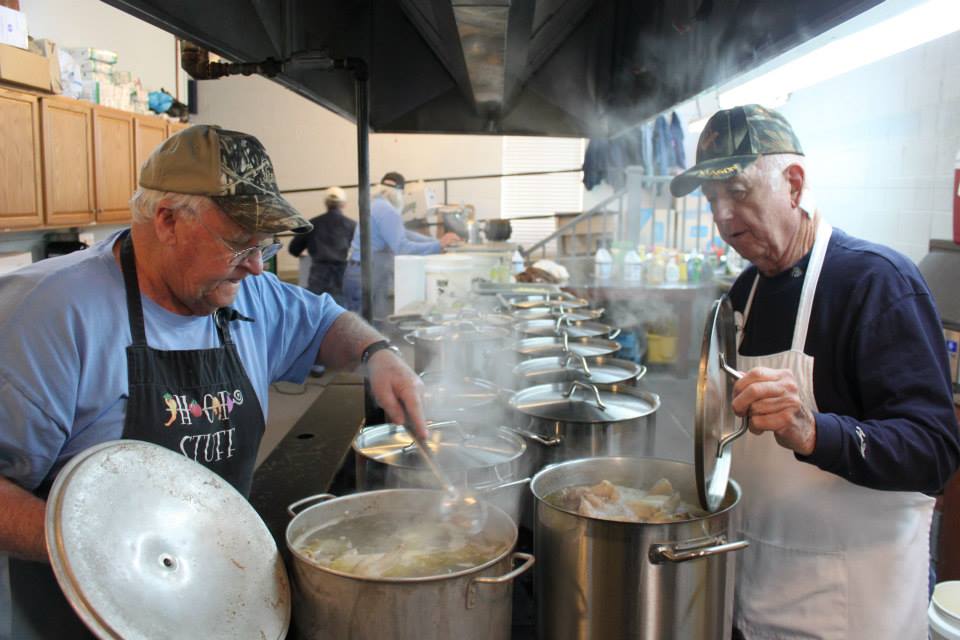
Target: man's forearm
column 21, row 523
column 345, row 341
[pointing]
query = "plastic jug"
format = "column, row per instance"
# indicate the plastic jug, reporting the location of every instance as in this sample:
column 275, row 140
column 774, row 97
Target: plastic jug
column 516, row 263
column 602, row 264
column 632, row 267
column 671, row 272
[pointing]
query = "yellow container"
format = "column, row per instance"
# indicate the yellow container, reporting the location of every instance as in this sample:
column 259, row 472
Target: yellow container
column 661, row 349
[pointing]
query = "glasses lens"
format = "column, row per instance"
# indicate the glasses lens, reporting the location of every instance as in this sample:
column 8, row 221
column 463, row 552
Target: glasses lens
column 269, row 251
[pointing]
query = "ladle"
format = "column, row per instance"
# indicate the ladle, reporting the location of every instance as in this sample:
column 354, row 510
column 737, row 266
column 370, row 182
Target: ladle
column 457, row 505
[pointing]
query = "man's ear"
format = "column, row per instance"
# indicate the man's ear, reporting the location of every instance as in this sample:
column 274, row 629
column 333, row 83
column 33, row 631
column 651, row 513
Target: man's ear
column 165, row 223
column 796, row 178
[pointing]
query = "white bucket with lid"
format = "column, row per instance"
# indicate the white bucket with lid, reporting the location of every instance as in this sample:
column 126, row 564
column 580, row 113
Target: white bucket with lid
column 944, row 611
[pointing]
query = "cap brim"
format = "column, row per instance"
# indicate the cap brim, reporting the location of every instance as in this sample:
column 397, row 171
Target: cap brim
column 263, row 213
column 716, row 169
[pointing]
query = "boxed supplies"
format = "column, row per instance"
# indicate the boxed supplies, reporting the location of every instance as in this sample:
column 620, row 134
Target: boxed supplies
column 88, row 53
column 13, row 27
column 22, row 67
column 49, row 50
column 95, row 66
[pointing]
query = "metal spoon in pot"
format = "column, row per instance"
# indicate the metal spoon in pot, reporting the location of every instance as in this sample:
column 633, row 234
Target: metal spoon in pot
column 460, row 507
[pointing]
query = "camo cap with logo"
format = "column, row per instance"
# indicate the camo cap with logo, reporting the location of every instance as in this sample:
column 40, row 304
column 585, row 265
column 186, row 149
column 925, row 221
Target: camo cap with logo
column 229, row 167
column 732, row 140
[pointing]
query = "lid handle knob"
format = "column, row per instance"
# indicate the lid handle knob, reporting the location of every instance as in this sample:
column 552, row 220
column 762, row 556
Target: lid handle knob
column 577, row 384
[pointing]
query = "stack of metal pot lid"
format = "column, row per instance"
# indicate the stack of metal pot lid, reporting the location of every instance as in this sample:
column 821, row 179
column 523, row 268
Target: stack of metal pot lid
column 539, row 313
column 567, row 302
column 579, row 402
column 456, row 447
column 446, row 393
column 600, row 371
column 558, row 345
column 564, row 324
column 715, row 423
column 460, row 330
column 146, row 543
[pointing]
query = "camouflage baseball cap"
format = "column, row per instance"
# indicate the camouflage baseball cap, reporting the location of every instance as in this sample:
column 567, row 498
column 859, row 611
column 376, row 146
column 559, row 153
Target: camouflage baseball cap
column 229, row 167
column 733, row 140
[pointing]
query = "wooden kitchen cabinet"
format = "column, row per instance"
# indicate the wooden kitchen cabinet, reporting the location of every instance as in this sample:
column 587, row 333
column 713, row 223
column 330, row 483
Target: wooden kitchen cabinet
column 21, row 190
column 149, row 133
column 113, row 146
column 68, row 183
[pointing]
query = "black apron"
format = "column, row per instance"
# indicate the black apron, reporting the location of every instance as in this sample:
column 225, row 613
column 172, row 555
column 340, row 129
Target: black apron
column 199, row 402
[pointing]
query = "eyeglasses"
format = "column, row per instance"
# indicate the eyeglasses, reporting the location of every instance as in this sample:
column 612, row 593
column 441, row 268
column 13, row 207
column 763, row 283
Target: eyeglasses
column 267, row 249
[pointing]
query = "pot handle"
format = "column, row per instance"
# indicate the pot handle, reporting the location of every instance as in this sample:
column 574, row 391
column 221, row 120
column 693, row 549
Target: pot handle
column 676, row 553
column 562, row 319
column 613, row 334
column 408, row 338
column 643, row 372
column 536, row 437
column 320, row 497
column 528, row 560
column 587, row 387
column 744, row 424
column 578, row 357
column 505, row 485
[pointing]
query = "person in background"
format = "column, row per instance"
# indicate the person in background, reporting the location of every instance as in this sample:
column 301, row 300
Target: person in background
column 388, row 238
column 848, row 397
column 328, row 245
column 178, row 346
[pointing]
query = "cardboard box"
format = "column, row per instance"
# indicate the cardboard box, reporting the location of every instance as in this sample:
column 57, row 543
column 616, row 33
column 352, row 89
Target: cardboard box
column 13, row 27
column 22, row 67
column 48, row 49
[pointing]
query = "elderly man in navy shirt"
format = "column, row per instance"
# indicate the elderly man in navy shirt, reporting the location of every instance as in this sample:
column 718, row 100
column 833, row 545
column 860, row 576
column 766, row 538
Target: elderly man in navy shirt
column 846, row 369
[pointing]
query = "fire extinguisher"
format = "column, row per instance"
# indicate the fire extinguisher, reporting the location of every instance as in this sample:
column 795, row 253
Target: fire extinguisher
column 956, row 200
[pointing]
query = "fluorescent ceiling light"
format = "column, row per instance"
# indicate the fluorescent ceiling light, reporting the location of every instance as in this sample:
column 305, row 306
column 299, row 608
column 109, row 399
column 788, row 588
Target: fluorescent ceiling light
column 921, row 24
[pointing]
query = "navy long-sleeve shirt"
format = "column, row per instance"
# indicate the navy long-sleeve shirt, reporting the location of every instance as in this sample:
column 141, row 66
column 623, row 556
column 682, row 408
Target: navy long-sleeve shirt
column 880, row 374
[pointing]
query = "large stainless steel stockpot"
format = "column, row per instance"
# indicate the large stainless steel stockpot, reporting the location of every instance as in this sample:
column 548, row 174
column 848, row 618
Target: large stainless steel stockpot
column 600, row 579
column 448, row 396
column 461, row 347
column 570, row 420
column 542, row 346
column 473, row 604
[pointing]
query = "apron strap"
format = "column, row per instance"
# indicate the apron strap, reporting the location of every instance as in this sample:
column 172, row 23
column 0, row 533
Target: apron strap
column 128, row 265
column 810, row 280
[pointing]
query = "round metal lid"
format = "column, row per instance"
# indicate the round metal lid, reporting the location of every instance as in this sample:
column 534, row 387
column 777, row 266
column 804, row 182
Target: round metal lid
column 582, row 402
column 714, row 418
column 443, row 394
column 551, row 301
column 603, row 370
column 553, row 345
column 459, row 330
column 146, row 543
column 454, row 446
column 539, row 313
column 573, row 328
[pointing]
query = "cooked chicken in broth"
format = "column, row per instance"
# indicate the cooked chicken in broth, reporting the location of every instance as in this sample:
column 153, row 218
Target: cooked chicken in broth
column 398, row 545
column 608, row 501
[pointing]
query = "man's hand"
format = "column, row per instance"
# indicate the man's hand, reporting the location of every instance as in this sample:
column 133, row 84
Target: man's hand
column 449, row 239
column 397, row 389
column 771, row 398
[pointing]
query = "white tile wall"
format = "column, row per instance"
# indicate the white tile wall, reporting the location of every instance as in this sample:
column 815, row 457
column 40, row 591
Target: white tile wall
column 881, row 143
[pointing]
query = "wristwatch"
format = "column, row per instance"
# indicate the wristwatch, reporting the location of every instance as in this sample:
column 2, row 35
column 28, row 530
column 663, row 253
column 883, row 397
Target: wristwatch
column 379, row 345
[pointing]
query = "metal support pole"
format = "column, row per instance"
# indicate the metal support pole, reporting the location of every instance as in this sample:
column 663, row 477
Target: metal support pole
column 361, row 80
column 445, row 201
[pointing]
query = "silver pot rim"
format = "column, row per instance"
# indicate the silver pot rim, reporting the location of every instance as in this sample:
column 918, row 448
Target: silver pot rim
column 560, row 467
column 302, row 557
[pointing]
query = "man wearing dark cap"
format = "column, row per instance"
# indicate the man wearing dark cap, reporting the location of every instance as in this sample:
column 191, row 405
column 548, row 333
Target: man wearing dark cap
column 846, row 367
column 158, row 334
column 388, row 238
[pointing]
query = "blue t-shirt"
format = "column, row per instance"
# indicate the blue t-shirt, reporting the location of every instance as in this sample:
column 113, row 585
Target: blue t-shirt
column 388, row 235
column 64, row 331
column 880, row 373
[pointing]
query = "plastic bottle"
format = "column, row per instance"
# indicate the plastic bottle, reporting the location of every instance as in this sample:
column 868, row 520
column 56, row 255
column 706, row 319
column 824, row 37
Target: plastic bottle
column 693, row 268
column 602, row 264
column 682, row 264
column 671, row 272
column 516, row 263
column 706, row 269
column 632, row 267
column 655, row 268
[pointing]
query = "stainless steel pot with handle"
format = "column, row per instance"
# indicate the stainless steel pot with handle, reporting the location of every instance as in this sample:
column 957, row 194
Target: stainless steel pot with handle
column 470, row 604
column 462, row 347
column 600, row 579
column 602, row 371
column 564, row 324
column 570, row 420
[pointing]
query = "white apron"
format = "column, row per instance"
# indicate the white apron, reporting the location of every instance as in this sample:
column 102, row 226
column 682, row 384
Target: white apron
column 827, row 558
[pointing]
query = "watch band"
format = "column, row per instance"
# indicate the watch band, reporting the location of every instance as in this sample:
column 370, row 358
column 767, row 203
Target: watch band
column 379, row 345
